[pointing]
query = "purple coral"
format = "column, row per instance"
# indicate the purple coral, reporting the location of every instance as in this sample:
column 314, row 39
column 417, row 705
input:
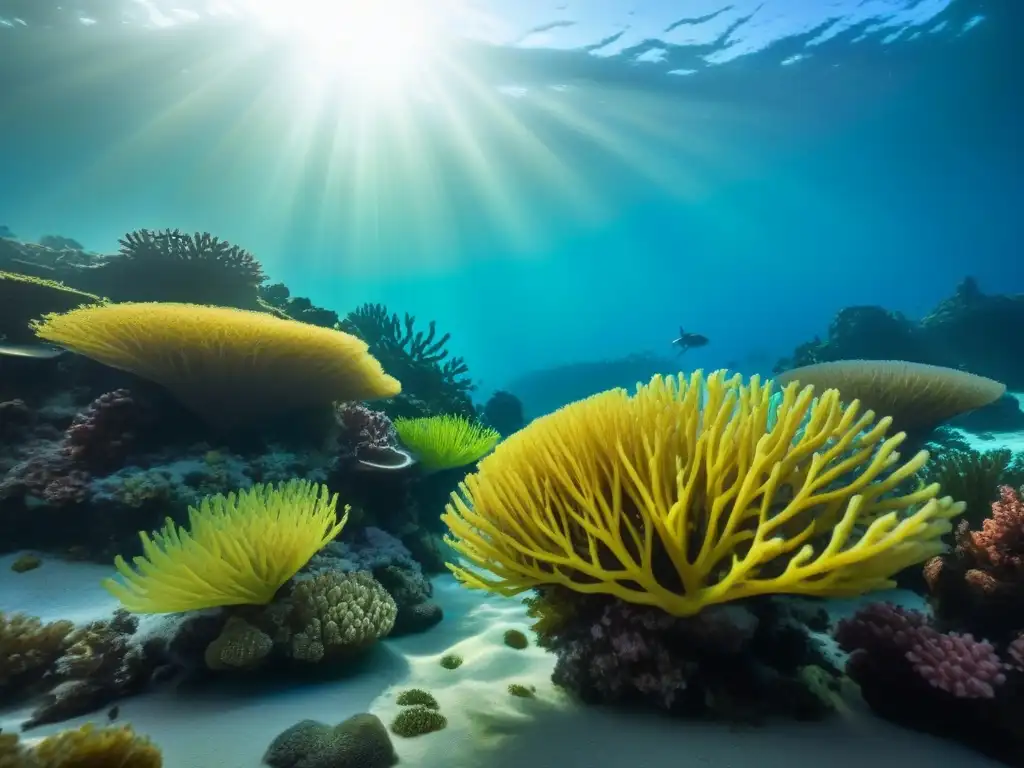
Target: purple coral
column 47, row 476
column 632, row 651
column 368, row 437
column 102, row 434
column 955, row 663
column 363, row 429
column 952, row 662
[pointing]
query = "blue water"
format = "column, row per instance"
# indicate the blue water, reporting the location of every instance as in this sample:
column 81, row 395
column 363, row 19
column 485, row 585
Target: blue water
column 551, row 182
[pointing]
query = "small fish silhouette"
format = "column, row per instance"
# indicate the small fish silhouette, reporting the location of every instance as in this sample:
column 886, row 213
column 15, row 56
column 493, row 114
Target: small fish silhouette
column 689, row 340
column 113, row 712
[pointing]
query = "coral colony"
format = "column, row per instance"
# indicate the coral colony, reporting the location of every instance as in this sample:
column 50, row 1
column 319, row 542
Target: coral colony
column 674, row 544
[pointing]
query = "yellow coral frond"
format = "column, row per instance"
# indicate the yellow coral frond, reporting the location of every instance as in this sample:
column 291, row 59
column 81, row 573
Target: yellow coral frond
column 446, row 442
column 239, row 550
column 228, row 365
column 690, row 492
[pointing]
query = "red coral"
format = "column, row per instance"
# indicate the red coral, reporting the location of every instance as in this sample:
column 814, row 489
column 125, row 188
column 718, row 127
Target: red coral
column 102, row 434
column 955, row 663
column 363, row 430
column 49, row 477
column 1001, row 537
column 879, row 626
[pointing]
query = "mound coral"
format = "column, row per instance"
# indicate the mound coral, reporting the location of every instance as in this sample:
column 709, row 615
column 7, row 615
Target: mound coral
column 918, row 397
column 228, row 365
column 686, row 494
column 446, row 442
column 240, row 550
column 418, row 721
column 361, row 741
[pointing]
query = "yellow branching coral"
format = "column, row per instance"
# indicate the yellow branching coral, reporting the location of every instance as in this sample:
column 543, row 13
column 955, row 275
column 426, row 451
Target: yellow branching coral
column 92, row 747
column 228, row 365
column 446, row 442
column 687, row 494
column 240, row 550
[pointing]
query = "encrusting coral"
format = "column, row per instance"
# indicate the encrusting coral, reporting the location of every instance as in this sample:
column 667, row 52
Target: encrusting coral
column 239, row 550
column 446, row 442
column 690, row 493
column 230, row 366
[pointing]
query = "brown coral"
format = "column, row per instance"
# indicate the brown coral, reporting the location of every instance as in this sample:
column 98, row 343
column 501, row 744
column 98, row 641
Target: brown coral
column 240, row 645
column 92, row 747
column 337, row 613
column 28, row 649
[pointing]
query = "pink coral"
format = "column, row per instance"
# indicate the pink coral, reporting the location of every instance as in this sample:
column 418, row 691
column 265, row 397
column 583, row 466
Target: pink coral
column 952, row 662
column 955, row 663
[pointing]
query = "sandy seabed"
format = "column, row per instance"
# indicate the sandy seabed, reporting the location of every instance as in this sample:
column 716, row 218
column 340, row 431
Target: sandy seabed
column 230, row 725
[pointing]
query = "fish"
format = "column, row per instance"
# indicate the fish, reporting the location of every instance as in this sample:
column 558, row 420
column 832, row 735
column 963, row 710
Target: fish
column 689, row 340
column 35, row 351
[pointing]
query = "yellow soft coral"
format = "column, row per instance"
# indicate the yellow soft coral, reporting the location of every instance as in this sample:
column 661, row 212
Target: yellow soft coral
column 228, row 365
column 445, row 442
column 688, row 493
column 240, row 550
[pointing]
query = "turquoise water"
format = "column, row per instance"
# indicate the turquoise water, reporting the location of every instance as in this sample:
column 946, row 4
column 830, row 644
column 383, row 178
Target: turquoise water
column 551, row 182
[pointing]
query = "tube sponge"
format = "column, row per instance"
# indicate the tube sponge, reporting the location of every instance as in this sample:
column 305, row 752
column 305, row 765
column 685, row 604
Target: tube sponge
column 240, row 549
column 685, row 495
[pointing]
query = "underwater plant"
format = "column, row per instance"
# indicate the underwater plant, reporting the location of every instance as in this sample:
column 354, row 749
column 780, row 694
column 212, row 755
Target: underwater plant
column 446, row 442
column 681, row 496
column 451, row 661
column 239, row 549
column 513, row 638
column 416, row 697
column 230, row 366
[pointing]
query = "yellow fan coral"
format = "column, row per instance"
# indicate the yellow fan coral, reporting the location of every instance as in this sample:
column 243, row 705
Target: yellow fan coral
column 446, row 442
column 241, row 548
column 686, row 494
column 228, row 365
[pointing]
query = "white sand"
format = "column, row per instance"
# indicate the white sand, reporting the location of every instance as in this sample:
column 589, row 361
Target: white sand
column 230, row 725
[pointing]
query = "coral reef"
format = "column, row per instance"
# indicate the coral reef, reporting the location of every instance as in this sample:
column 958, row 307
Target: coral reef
column 960, row 672
column 361, row 741
column 713, row 490
column 83, row 747
column 969, row 331
column 432, row 382
column 738, row 662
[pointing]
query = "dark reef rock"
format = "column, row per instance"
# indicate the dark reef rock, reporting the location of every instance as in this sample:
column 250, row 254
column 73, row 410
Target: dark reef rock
column 969, row 331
